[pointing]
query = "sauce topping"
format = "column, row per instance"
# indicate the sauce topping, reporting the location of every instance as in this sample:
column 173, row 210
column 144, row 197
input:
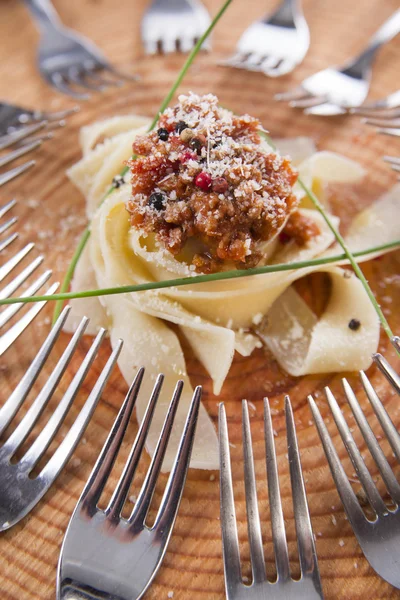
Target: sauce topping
column 204, row 186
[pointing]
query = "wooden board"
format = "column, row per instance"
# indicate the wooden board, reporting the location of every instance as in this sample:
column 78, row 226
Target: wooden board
column 52, row 212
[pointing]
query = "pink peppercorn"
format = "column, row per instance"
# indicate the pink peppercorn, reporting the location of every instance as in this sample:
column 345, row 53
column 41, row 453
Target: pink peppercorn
column 203, row 181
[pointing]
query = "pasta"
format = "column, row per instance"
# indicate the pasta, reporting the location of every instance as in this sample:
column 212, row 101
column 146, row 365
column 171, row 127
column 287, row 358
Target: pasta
column 221, row 317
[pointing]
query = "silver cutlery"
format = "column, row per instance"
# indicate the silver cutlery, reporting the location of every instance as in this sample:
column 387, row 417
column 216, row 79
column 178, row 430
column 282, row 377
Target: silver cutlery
column 103, row 554
column 334, row 90
column 274, row 45
column 6, row 315
column 383, row 365
column 285, row 588
column 379, row 537
column 171, row 25
column 12, row 116
column 69, row 61
column 19, row 491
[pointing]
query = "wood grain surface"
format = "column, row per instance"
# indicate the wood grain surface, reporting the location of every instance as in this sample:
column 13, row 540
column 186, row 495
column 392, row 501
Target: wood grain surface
column 51, row 212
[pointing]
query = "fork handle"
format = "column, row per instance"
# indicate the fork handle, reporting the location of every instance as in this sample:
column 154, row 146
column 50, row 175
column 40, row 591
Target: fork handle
column 44, row 14
column 385, row 33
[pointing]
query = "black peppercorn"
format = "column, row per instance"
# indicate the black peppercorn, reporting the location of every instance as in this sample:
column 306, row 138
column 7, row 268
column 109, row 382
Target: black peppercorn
column 195, row 144
column 163, row 134
column 117, row 181
column 157, row 200
column 354, row 324
column 180, row 126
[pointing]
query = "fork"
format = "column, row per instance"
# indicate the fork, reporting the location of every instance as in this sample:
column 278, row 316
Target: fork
column 103, row 554
column 275, row 44
column 13, row 116
column 379, row 538
column 22, row 135
column 309, row 585
column 334, row 90
column 67, row 60
column 170, row 25
column 9, row 337
column 19, row 492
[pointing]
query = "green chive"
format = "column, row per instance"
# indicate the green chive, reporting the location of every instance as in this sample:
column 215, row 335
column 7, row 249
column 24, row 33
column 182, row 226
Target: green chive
column 224, row 275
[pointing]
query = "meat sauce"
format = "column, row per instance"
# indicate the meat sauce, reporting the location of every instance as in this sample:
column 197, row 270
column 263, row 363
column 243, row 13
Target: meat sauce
column 202, row 181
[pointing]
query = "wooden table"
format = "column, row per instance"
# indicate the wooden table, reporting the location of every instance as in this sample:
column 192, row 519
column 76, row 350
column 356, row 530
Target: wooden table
column 52, row 212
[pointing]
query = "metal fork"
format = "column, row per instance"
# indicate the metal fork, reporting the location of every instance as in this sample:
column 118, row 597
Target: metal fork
column 334, row 90
column 309, row 586
column 104, row 555
column 67, row 60
column 19, row 492
column 9, row 337
column 170, row 25
column 379, row 538
column 274, row 45
column 13, row 116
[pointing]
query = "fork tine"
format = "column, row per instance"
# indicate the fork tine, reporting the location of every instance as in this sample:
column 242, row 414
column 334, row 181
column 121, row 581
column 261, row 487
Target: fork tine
column 6, row 207
column 19, row 152
column 310, row 102
column 12, row 310
column 20, row 278
column 346, row 493
column 382, row 122
column 383, row 417
column 11, row 238
column 16, row 172
column 47, row 434
column 394, row 160
column 393, row 131
column 362, row 472
column 150, row 46
column 12, row 405
column 146, row 492
column 121, row 491
column 120, row 74
column 236, row 60
column 68, row 445
column 104, row 464
column 14, row 261
column 388, row 371
column 295, row 94
column 286, row 66
column 176, row 482
column 78, row 77
column 20, row 134
column 8, row 338
column 277, row 522
column 27, row 423
column 8, row 224
column 61, row 114
column 253, row 517
column 104, row 81
column 305, row 537
column 372, row 444
column 230, row 541
column 58, row 81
